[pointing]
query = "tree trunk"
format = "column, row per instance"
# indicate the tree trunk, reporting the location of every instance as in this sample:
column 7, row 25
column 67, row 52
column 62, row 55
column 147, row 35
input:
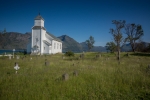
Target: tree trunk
column 118, row 53
column 133, row 49
column 133, row 46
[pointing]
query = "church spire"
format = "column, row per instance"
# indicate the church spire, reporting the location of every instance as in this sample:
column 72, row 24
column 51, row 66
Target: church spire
column 39, row 17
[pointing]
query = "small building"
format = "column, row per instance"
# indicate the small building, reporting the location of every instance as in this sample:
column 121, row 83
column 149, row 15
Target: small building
column 41, row 41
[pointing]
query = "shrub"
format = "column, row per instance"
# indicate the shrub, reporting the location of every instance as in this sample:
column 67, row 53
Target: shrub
column 69, row 53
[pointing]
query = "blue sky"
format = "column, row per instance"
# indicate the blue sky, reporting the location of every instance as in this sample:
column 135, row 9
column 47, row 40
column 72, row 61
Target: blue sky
column 76, row 18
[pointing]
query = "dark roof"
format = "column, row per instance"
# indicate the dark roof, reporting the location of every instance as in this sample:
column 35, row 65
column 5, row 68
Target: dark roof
column 39, row 17
column 55, row 38
column 46, row 42
column 38, row 27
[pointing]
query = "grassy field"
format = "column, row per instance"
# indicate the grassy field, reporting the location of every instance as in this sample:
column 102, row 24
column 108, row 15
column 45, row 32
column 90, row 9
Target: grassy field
column 98, row 78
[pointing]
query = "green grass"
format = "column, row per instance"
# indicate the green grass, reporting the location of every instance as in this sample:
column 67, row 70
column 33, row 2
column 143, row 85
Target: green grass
column 98, row 78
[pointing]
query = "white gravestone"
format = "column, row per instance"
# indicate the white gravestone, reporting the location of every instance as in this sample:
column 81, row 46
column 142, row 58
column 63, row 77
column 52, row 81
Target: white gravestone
column 16, row 67
column 9, row 57
column 17, row 57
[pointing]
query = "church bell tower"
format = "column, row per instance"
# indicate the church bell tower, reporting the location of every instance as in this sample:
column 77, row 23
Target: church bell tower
column 38, row 32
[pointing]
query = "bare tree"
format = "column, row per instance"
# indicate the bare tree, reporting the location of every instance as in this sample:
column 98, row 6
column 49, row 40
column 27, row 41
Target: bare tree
column 134, row 32
column 90, row 42
column 117, row 35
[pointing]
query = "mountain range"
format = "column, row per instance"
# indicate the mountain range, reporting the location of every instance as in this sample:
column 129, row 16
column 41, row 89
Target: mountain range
column 11, row 40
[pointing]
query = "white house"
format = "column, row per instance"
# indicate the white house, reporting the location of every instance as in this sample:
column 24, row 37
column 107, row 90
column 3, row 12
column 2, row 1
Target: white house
column 42, row 42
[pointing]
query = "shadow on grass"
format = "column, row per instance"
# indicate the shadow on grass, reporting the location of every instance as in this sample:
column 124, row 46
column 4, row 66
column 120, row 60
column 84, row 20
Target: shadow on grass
column 141, row 54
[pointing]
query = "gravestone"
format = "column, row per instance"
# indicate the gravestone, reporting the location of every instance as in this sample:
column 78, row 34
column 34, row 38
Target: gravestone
column 75, row 73
column 127, row 54
column 97, row 56
column 79, row 58
column 46, row 62
column 16, row 67
column 65, row 76
column 82, row 56
column 17, row 57
column 10, row 57
column 31, row 58
column 63, row 57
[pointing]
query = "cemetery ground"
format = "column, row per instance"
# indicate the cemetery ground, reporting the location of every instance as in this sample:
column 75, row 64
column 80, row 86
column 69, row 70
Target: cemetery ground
column 93, row 77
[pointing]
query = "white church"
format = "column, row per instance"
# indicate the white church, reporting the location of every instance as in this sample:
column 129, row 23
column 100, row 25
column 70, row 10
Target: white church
column 42, row 42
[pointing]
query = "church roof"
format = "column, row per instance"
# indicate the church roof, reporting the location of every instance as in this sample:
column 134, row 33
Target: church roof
column 46, row 42
column 38, row 27
column 39, row 17
column 55, row 38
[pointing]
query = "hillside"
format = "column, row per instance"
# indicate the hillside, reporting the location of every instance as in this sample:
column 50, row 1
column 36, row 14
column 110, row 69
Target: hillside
column 69, row 44
column 10, row 40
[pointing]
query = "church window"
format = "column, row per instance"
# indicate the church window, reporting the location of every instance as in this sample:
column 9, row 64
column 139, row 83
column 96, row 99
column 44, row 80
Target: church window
column 36, row 39
column 60, row 46
column 44, row 48
column 57, row 45
column 54, row 45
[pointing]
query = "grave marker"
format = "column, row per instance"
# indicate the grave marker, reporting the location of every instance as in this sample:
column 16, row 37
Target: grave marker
column 47, row 62
column 127, row 54
column 75, row 73
column 17, row 57
column 63, row 57
column 10, row 57
column 65, row 76
column 16, row 67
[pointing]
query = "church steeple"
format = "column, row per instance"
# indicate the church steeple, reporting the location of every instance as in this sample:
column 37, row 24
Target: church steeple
column 39, row 21
column 39, row 17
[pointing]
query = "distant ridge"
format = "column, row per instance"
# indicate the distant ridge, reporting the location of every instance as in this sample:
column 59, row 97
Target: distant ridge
column 69, row 44
column 10, row 40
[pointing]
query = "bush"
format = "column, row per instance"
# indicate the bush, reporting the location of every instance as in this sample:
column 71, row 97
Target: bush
column 69, row 53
